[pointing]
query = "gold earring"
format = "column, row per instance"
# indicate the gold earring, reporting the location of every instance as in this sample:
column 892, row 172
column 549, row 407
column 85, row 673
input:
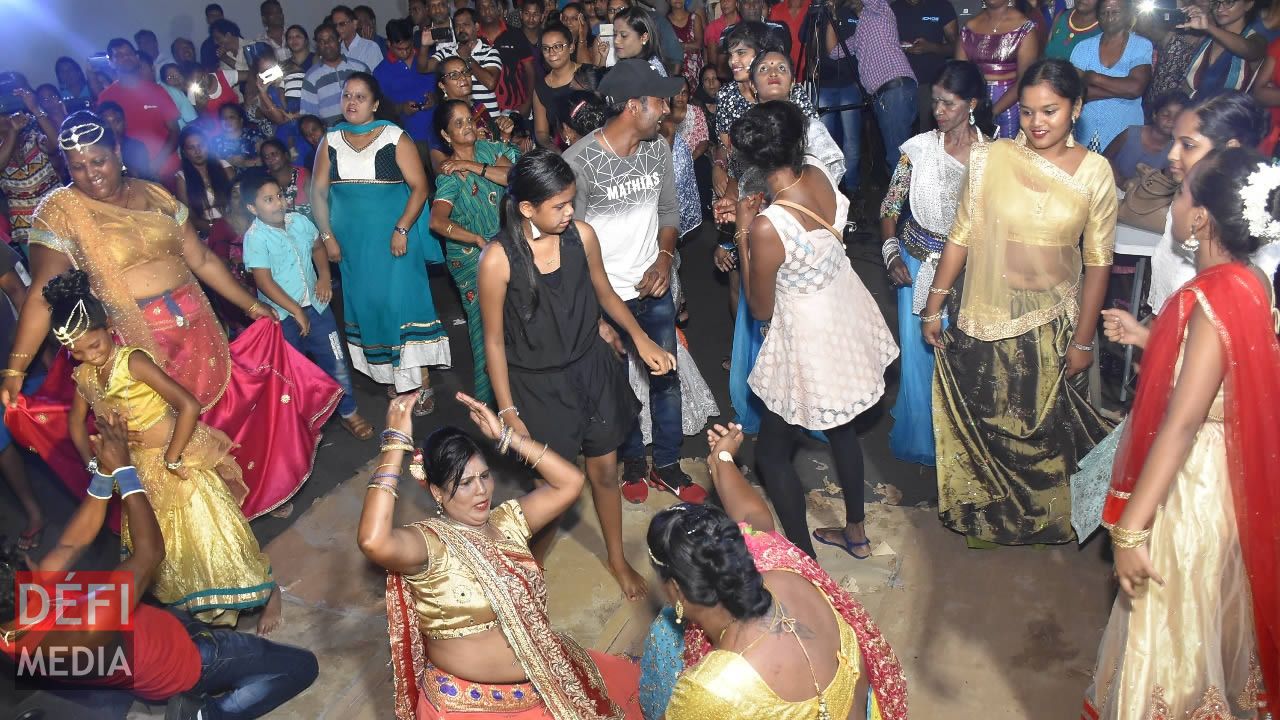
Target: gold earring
column 1191, row 243
column 679, row 612
column 1071, row 134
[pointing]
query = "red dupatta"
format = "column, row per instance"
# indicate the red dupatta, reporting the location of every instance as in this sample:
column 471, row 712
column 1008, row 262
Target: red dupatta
column 772, row 551
column 1239, row 306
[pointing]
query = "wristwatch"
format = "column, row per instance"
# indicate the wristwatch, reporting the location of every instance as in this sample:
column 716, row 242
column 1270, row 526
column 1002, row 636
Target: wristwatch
column 402, row 231
column 724, row 456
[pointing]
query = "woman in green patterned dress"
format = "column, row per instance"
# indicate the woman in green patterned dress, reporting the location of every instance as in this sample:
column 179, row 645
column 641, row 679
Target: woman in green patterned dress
column 465, row 212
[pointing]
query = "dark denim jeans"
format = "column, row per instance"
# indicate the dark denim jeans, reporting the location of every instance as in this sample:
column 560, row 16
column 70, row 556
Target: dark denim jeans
column 845, row 125
column 657, row 317
column 248, row 676
column 896, row 116
column 324, row 346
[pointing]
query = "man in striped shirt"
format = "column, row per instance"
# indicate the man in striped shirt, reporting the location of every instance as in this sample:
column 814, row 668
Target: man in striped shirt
column 322, row 86
column 484, row 61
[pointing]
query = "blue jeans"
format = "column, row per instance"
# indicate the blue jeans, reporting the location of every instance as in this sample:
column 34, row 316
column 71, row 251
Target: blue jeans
column 324, row 346
column 845, row 125
column 896, row 115
column 247, row 676
column 241, row 675
column 657, row 317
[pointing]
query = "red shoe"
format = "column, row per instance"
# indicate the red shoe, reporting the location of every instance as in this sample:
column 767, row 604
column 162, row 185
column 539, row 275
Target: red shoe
column 634, row 489
column 675, row 481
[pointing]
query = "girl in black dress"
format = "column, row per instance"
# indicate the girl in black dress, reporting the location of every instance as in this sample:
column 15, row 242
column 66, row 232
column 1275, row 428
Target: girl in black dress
column 542, row 286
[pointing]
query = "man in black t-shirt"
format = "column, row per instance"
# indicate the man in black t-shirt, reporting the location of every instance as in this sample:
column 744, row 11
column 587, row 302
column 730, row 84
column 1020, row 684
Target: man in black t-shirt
column 521, row 59
column 928, row 30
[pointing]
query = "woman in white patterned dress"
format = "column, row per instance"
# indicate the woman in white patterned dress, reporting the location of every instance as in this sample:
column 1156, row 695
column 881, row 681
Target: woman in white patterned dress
column 827, row 345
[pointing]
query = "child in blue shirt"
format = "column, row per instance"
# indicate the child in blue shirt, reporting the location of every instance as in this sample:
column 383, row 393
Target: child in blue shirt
column 291, row 269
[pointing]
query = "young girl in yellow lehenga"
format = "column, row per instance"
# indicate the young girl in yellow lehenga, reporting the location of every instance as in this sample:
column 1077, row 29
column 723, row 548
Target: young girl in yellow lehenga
column 213, row 567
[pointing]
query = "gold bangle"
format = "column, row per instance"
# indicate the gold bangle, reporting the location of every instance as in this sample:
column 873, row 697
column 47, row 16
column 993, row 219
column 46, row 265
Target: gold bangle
column 544, row 452
column 741, row 233
column 390, row 465
column 448, row 230
column 10, row 372
column 668, row 253
column 19, row 355
column 939, row 291
column 406, row 447
column 931, row 318
column 1127, row 539
column 253, row 307
column 385, row 488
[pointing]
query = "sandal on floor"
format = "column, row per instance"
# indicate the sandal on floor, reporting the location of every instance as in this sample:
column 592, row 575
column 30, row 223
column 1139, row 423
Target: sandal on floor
column 727, row 364
column 426, row 402
column 846, row 545
column 30, row 540
column 359, row 428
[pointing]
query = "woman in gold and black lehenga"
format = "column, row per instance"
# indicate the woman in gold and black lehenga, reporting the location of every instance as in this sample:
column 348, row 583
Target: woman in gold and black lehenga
column 1011, row 417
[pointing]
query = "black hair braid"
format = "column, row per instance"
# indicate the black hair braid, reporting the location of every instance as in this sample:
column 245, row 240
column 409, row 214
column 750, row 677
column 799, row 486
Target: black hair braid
column 703, row 550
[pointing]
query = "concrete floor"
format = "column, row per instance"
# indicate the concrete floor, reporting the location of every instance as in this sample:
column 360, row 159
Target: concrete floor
column 1005, row 633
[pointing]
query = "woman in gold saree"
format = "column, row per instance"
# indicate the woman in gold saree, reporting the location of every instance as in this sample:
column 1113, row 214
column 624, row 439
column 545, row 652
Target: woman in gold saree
column 1011, row 417
column 467, row 582
column 146, row 265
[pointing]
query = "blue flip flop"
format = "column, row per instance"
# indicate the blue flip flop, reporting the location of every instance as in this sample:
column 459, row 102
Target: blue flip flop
column 846, row 545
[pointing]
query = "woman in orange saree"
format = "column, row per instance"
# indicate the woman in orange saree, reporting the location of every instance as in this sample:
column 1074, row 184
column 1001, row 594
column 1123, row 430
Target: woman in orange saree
column 1193, row 501
column 146, row 264
column 467, row 582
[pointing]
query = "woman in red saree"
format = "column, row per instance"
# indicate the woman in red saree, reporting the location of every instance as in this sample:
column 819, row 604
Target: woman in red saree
column 881, row 688
column 466, row 582
column 1193, row 502
column 146, row 265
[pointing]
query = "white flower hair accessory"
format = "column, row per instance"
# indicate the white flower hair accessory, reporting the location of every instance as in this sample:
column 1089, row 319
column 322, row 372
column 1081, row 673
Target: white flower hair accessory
column 1256, row 196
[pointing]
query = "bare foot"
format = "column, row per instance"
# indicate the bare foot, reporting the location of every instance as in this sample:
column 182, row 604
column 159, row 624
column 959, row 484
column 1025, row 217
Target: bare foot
column 272, row 616
column 852, row 538
column 633, row 586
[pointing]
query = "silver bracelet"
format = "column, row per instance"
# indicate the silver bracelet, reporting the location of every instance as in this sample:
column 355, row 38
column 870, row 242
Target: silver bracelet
column 1082, row 348
column 889, row 250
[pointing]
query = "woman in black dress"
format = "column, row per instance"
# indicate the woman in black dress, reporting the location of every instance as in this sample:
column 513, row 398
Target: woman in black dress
column 563, row 75
column 542, row 286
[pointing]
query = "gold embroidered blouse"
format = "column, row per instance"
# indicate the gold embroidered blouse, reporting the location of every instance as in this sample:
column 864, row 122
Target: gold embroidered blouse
column 725, row 685
column 448, row 599
column 1022, row 219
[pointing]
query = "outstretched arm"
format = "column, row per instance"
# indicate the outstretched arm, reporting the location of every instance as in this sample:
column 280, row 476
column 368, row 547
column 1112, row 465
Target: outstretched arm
column 742, row 502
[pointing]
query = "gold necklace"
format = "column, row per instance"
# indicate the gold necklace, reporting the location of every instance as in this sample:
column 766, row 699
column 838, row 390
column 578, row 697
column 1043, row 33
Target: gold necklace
column 1072, row 26
column 798, row 179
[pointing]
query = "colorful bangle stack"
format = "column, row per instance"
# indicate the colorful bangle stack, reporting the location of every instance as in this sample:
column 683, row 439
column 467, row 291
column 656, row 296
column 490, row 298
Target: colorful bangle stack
column 396, row 440
column 1128, row 539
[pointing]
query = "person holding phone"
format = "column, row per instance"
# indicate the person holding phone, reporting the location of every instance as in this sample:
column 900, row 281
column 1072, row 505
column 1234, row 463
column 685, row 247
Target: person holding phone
column 27, row 172
column 410, row 90
column 483, row 62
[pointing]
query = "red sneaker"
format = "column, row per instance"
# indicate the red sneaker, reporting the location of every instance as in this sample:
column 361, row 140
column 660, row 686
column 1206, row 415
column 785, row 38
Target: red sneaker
column 634, row 489
column 675, row 481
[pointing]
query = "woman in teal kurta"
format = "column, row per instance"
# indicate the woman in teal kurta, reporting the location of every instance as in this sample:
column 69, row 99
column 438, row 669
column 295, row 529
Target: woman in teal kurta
column 465, row 212
column 368, row 195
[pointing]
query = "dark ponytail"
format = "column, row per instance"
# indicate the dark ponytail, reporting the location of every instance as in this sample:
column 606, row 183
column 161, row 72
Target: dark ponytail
column 534, row 178
column 700, row 548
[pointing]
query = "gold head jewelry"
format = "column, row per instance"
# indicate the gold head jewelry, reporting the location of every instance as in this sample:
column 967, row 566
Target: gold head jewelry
column 655, row 560
column 76, row 326
column 79, row 137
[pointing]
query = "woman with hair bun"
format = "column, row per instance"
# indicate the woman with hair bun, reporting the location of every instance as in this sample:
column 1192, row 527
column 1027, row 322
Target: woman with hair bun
column 1193, row 499
column 542, row 287
column 1013, row 417
column 755, row 619
column 823, row 358
column 466, row 598
column 920, row 207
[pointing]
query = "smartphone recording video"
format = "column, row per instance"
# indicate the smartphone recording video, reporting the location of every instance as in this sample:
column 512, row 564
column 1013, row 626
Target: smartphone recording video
column 1166, row 11
column 442, row 35
column 271, row 74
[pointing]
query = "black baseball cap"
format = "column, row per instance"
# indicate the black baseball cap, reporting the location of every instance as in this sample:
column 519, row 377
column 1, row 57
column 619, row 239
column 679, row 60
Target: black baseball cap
column 635, row 78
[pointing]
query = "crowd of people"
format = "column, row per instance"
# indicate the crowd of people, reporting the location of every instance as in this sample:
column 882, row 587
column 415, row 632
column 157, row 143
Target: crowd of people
column 218, row 234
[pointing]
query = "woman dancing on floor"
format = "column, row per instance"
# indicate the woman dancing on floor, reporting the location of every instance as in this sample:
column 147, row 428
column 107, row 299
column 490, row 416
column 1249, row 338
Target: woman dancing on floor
column 823, row 359
column 1013, row 417
column 1193, row 501
column 466, row 600
column 927, row 184
column 542, row 287
column 732, row 577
